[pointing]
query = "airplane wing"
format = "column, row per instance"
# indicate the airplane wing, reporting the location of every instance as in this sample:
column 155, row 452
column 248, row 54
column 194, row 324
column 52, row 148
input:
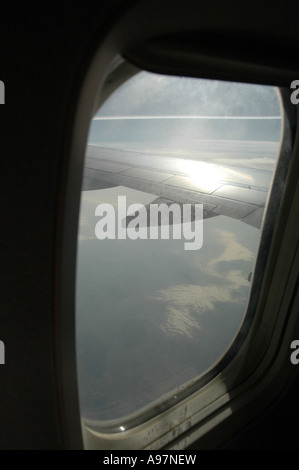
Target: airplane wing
column 233, row 191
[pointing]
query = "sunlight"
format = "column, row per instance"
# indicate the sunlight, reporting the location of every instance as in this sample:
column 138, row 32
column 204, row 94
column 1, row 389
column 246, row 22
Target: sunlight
column 201, row 172
column 210, row 174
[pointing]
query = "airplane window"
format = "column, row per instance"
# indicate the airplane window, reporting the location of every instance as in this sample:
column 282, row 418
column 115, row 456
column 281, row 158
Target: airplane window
column 176, row 180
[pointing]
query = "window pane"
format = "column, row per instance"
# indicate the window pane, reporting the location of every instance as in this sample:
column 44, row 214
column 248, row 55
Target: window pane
column 158, row 311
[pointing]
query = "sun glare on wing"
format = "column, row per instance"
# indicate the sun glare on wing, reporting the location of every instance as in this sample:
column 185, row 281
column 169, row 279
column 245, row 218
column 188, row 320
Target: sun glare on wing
column 211, row 174
column 201, row 172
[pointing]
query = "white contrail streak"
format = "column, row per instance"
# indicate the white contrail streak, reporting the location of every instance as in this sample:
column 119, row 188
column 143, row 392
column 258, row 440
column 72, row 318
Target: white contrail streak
column 115, row 118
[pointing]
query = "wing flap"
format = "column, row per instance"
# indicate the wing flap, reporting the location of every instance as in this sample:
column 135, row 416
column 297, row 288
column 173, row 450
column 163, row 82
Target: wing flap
column 238, row 200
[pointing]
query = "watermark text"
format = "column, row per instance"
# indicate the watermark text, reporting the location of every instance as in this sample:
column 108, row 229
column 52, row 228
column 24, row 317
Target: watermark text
column 2, row 92
column 294, row 358
column 295, row 94
column 153, row 221
column 2, row 353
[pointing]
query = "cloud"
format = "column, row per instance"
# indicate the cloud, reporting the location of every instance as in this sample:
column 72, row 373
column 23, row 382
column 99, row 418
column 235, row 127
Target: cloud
column 233, row 250
column 185, row 303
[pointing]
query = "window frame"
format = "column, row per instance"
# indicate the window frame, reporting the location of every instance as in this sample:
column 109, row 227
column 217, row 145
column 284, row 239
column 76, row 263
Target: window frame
column 211, row 412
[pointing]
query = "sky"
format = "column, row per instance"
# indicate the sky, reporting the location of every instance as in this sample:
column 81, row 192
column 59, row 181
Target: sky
column 150, row 315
